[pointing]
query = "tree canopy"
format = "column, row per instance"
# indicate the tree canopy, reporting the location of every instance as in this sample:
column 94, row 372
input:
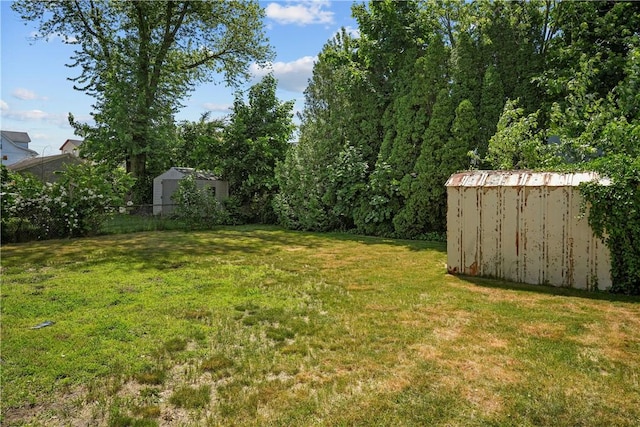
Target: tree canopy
column 140, row 59
column 428, row 88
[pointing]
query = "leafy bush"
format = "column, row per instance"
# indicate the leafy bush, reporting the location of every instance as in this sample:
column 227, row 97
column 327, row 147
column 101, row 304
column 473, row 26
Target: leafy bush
column 614, row 216
column 76, row 205
column 198, row 207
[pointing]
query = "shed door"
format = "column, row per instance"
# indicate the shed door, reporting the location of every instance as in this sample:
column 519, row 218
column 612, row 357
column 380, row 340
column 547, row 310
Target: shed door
column 169, row 186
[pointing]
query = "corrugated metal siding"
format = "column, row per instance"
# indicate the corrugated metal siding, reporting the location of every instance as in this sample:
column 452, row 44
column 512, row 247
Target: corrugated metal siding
column 524, row 227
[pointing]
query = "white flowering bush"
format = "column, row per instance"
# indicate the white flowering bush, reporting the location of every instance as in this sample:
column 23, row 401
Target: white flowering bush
column 84, row 196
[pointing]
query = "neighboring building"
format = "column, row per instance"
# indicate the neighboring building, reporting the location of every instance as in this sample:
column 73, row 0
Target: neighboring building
column 71, row 146
column 14, row 146
column 166, row 184
column 45, row 168
column 524, row 226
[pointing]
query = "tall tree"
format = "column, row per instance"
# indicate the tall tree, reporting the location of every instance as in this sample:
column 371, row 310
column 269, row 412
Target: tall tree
column 464, row 138
column 425, row 208
column 402, row 65
column 466, row 69
column 322, row 175
column 255, row 140
column 515, row 39
column 199, row 144
column 491, row 104
column 603, row 29
column 139, row 59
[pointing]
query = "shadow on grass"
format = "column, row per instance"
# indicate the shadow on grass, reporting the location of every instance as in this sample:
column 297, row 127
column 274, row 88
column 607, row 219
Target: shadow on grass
column 153, row 248
column 548, row 290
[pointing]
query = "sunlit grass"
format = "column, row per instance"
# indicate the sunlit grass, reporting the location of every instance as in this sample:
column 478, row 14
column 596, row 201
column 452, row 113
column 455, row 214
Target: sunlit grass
column 257, row 326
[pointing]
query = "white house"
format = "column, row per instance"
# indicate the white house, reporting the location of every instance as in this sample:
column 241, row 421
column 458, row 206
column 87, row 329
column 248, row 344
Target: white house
column 71, row 146
column 14, row 147
column 166, row 184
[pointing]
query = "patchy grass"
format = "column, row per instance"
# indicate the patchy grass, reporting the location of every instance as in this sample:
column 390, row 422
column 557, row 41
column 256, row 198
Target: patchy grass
column 259, row 326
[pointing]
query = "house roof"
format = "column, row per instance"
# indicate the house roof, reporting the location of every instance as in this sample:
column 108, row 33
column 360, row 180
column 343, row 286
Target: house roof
column 76, row 142
column 198, row 173
column 519, row 178
column 16, row 136
column 36, row 161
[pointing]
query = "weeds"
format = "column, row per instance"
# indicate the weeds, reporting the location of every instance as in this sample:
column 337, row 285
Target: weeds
column 191, row 397
column 257, row 326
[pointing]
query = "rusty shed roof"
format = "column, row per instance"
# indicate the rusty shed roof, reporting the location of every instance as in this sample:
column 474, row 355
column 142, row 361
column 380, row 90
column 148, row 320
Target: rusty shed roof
column 490, row 178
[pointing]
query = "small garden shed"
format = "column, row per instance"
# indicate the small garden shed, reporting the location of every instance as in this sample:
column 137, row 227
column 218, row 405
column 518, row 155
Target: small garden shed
column 525, row 227
column 45, row 168
column 166, row 184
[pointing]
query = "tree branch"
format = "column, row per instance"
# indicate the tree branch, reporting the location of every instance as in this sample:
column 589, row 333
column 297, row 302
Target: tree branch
column 95, row 19
column 169, row 36
column 208, row 58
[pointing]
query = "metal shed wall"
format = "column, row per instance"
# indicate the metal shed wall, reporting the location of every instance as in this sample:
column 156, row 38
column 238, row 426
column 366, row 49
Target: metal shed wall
column 165, row 185
column 524, row 227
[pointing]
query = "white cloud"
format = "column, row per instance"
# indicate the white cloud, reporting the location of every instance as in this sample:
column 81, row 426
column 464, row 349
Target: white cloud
column 24, row 94
column 3, row 106
column 292, row 76
column 222, row 108
column 57, row 119
column 353, row 32
column 41, row 136
column 302, row 13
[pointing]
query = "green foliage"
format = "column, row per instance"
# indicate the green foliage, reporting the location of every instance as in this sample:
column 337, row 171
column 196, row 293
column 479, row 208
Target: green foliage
column 366, row 95
column 199, row 145
column 518, row 142
column 77, row 204
column 464, row 138
column 466, row 70
column 425, row 209
column 324, row 174
column 613, row 128
column 255, row 140
column 614, row 216
column 607, row 30
column 375, row 213
column 198, row 206
column 491, row 106
column 140, row 59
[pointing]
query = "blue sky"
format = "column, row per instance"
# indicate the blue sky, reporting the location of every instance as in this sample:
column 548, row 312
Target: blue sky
column 36, row 97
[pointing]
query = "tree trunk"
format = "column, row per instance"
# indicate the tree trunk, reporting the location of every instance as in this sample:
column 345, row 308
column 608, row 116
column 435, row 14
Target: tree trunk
column 136, row 165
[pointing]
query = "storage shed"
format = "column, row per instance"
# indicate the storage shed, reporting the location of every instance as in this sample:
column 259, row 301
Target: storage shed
column 166, row 184
column 525, row 227
column 45, row 168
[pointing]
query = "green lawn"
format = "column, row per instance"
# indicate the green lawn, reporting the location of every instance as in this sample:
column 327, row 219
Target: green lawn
column 260, row 326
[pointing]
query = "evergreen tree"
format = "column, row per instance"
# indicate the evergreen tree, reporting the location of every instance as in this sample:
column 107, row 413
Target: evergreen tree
column 425, row 208
column 464, row 138
column 406, row 83
column 467, row 70
column 491, row 105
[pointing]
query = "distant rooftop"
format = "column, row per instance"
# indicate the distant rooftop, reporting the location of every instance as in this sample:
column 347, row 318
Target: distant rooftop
column 16, row 136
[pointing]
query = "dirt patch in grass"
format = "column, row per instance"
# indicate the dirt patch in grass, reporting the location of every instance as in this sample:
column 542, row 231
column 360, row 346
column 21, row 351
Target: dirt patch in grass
column 545, row 330
column 614, row 339
column 301, row 329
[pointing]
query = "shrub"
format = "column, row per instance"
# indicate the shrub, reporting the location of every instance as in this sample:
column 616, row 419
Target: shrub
column 614, row 215
column 198, row 207
column 76, row 205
